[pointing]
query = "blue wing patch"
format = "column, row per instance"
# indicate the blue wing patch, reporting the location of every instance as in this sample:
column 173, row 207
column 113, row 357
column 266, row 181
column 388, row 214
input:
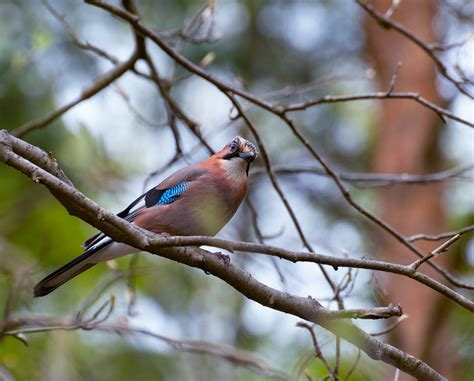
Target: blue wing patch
column 172, row 194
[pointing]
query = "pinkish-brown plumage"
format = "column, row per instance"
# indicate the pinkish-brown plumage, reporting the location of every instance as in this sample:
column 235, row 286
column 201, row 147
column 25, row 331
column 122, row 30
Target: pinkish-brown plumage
column 196, row 200
column 208, row 204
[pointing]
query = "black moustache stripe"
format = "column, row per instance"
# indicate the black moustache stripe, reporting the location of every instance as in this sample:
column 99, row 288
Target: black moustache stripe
column 231, row 155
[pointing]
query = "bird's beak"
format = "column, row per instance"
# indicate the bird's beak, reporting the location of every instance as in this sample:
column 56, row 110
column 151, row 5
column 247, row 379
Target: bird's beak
column 247, row 156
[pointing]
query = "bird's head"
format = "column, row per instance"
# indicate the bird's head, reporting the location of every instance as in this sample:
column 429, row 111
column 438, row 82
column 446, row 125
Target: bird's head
column 239, row 149
column 238, row 152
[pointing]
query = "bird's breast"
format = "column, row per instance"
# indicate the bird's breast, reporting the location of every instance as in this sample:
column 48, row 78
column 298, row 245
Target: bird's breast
column 206, row 206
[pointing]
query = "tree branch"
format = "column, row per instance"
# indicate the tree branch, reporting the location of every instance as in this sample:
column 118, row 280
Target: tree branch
column 381, row 96
column 217, row 265
column 230, row 91
column 375, row 180
column 98, row 85
column 135, row 21
column 120, row 230
column 387, row 23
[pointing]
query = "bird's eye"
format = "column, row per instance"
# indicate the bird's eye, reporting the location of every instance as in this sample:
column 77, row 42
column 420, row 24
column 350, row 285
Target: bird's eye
column 234, row 145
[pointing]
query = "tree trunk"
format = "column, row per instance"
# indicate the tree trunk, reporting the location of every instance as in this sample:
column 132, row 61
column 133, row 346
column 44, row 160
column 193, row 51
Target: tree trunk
column 406, row 141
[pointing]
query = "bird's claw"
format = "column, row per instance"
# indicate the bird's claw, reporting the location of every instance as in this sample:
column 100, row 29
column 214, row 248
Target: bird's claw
column 224, row 258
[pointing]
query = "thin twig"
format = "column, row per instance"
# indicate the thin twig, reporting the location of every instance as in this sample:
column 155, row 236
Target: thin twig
column 317, row 350
column 388, row 23
column 99, row 84
column 400, row 320
column 440, row 236
column 281, row 194
column 354, row 366
column 377, row 95
column 305, row 308
column 374, row 180
column 77, row 41
column 439, row 250
column 365, row 212
column 225, row 87
column 233, row 355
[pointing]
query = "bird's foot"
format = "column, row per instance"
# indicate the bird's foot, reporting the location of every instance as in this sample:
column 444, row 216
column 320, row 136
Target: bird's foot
column 223, row 257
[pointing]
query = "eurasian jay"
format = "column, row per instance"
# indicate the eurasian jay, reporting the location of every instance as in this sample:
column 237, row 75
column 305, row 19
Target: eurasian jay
column 196, row 200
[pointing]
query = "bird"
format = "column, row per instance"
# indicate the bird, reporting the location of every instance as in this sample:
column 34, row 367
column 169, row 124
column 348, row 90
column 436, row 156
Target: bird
column 196, row 200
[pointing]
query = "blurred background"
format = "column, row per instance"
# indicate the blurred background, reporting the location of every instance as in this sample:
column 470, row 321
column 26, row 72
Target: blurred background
column 117, row 144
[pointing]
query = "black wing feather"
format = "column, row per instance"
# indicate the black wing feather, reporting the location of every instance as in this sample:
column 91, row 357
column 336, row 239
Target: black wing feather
column 151, row 198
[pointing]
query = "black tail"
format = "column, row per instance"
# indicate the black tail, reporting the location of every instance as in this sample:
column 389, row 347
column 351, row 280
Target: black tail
column 67, row 272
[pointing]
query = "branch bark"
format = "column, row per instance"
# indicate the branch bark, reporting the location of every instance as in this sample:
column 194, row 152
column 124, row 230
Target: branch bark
column 218, row 265
column 230, row 92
